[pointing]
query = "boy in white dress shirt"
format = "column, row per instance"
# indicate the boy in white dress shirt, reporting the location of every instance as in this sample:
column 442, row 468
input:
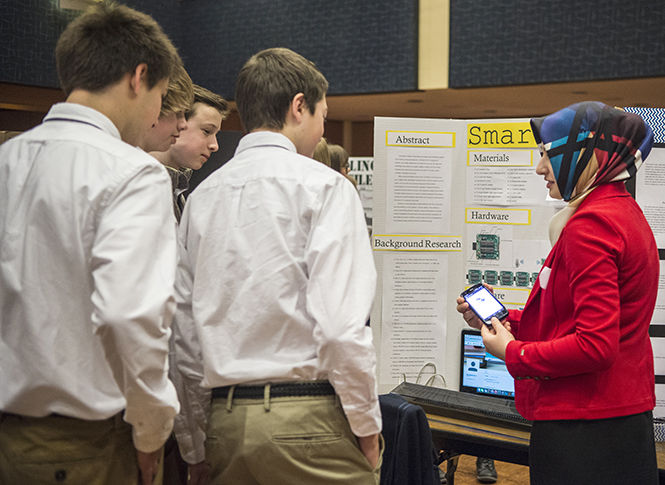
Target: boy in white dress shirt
column 275, row 282
column 88, row 256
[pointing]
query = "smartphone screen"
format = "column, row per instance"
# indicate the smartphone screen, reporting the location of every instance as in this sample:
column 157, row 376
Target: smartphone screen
column 484, row 304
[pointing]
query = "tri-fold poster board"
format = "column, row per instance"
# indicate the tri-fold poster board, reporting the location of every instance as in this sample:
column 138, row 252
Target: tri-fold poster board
column 458, row 202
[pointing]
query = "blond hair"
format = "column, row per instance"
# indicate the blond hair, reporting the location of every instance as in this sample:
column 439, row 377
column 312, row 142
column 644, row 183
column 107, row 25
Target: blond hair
column 321, row 153
column 180, row 94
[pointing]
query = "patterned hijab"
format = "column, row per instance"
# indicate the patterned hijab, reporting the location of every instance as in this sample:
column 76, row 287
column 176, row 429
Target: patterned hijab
column 590, row 144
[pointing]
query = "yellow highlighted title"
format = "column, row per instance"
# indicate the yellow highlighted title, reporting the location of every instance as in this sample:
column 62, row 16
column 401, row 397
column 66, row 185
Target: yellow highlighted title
column 408, row 242
column 421, row 139
column 500, row 135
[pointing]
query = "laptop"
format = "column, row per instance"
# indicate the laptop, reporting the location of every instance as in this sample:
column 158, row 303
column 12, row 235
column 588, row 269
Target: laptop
column 480, row 372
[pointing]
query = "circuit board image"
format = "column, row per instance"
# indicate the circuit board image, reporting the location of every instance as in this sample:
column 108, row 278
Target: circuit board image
column 487, row 246
column 506, row 278
column 491, row 277
column 522, row 278
column 474, row 276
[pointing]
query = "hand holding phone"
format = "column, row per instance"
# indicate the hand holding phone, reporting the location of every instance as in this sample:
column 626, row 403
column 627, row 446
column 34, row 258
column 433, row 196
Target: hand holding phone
column 484, row 304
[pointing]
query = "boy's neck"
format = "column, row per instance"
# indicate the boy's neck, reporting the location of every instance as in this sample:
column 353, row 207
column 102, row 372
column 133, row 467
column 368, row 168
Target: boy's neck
column 288, row 130
column 166, row 158
column 113, row 102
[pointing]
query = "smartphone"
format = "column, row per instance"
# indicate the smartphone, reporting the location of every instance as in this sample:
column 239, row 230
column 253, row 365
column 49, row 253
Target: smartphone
column 484, row 303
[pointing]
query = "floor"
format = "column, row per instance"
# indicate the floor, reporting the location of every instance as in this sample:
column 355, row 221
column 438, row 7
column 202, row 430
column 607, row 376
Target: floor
column 508, row 473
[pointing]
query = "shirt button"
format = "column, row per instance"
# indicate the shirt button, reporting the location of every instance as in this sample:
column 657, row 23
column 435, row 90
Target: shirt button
column 60, row 475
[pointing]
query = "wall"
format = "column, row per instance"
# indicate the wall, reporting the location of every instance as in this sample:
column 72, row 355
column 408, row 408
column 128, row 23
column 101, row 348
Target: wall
column 368, row 46
column 28, row 33
column 348, row 40
column 524, row 42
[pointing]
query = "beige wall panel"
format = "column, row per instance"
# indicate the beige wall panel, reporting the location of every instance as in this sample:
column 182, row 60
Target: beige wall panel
column 433, row 42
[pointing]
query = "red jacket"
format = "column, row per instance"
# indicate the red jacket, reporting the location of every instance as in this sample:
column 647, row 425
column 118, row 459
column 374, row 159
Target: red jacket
column 583, row 348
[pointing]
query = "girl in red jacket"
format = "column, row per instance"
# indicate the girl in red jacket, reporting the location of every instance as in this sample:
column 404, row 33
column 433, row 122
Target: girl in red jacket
column 580, row 351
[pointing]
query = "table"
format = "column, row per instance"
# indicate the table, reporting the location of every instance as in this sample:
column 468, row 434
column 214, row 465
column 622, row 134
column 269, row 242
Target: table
column 504, row 443
column 462, row 437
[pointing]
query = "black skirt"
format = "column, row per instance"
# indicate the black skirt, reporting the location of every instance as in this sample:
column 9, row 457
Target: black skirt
column 586, row 452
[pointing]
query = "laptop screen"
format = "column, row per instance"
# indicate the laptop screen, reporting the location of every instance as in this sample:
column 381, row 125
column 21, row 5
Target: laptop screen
column 480, row 371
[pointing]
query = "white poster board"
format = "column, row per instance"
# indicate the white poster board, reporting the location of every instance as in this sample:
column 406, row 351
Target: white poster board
column 455, row 202
column 361, row 169
column 650, row 195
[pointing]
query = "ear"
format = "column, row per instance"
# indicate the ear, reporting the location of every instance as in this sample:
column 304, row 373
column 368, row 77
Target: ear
column 138, row 76
column 298, row 107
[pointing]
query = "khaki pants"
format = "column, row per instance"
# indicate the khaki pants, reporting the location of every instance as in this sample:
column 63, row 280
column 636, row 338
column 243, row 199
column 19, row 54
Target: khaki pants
column 57, row 449
column 285, row 441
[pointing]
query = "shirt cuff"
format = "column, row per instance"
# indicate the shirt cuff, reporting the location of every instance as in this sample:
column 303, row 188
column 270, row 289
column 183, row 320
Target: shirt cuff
column 195, row 455
column 514, row 362
column 149, row 441
column 365, row 422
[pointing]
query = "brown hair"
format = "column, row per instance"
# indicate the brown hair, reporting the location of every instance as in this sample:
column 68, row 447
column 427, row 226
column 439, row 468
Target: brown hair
column 108, row 41
column 180, row 94
column 203, row 95
column 339, row 157
column 321, row 153
column 269, row 81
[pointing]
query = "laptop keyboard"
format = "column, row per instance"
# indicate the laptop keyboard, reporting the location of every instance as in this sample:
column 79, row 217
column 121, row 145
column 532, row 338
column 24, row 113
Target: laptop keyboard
column 455, row 404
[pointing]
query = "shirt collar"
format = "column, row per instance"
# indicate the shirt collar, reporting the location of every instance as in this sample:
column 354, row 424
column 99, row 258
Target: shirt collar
column 265, row 139
column 179, row 177
column 82, row 114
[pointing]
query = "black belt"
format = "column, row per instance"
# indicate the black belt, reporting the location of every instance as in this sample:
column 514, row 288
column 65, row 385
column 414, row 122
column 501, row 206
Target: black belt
column 289, row 389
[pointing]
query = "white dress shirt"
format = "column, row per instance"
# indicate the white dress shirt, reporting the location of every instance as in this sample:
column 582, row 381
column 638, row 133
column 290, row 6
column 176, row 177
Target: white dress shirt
column 275, row 283
column 87, row 267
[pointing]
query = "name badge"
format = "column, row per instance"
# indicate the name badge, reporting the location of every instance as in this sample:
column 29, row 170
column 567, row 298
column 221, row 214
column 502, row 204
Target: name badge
column 544, row 277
